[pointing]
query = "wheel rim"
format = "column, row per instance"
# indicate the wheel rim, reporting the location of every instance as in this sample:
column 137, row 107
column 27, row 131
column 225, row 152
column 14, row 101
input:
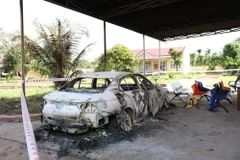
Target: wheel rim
column 165, row 103
column 124, row 121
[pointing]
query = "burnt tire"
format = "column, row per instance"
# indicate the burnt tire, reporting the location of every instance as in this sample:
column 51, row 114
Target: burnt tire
column 119, row 122
column 165, row 103
column 124, row 121
column 112, row 125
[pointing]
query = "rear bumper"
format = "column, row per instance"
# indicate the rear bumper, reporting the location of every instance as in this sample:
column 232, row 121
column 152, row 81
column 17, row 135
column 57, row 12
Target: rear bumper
column 66, row 126
column 64, row 123
column 72, row 126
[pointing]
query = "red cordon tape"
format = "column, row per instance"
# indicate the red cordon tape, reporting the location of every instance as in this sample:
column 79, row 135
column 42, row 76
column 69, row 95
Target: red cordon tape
column 47, row 80
column 28, row 130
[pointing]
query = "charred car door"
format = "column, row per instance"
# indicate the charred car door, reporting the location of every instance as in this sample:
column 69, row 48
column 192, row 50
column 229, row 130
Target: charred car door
column 134, row 96
column 151, row 94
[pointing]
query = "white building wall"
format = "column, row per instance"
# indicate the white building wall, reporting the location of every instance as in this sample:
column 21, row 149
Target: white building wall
column 186, row 61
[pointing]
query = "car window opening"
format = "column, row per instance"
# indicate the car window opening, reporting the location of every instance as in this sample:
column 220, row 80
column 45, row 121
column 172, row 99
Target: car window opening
column 87, row 85
column 128, row 84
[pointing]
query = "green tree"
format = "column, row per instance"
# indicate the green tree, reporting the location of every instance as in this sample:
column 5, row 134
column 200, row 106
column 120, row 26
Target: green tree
column 2, row 40
column 12, row 60
column 10, row 47
column 39, row 67
column 230, row 56
column 213, row 61
column 176, row 56
column 119, row 58
column 193, row 57
column 207, row 57
column 199, row 58
column 230, row 63
column 85, row 64
column 94, row 63
column 231, row 50
column 58, row 48
column 199, row 51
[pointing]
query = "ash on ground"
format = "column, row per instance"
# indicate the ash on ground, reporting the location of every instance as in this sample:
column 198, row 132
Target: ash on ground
column 66, row 144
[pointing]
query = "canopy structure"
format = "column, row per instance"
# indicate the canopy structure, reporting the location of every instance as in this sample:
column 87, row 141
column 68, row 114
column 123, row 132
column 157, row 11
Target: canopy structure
column 163, row 19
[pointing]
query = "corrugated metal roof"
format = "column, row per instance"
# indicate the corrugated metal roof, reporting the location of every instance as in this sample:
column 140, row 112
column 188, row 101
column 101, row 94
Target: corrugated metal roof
column 164, row 19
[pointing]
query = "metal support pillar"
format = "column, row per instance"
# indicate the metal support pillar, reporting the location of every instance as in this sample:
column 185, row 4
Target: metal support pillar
column 238, row 95
column 159, row 61
column 22, row 45
column 105, row 45
column 159, row 57
column 144, row 55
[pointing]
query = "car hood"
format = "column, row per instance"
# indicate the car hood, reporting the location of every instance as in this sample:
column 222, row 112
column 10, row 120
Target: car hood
column 77, row 97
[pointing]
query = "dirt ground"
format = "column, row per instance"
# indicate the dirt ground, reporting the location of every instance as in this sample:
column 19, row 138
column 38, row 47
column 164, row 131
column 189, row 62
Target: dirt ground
column 175, row 134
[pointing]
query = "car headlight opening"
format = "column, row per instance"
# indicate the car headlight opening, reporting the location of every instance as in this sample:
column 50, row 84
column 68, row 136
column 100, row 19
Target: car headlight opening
column 90, row 108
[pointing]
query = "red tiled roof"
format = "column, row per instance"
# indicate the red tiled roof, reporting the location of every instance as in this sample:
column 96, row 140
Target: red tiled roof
column 154, row 51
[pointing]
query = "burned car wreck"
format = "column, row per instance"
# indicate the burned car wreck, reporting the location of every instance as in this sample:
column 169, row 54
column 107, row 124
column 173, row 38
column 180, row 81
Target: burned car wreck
column 89, row 100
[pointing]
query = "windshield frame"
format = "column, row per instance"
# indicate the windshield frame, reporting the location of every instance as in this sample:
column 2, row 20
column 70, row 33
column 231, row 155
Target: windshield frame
column 92, row 85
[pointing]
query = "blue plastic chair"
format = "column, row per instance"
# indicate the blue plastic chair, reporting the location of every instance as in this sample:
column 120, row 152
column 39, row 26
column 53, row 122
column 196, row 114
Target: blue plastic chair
column 216, row 96
column 201, row 87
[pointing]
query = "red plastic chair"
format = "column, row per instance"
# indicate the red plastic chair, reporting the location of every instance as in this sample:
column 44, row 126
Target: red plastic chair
column 196, row 90
column 196, row 96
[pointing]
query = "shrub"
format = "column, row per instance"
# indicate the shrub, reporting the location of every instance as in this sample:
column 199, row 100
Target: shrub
column 171, row 75
column 8, row 77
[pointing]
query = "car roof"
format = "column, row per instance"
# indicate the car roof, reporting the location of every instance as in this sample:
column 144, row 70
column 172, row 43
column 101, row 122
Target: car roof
column 106, row 74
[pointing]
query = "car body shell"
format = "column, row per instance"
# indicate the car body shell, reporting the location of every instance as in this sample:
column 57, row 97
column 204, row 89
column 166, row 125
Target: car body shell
column 75, row 110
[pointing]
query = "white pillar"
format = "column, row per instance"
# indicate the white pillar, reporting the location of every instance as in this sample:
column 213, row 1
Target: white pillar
column 186, row 61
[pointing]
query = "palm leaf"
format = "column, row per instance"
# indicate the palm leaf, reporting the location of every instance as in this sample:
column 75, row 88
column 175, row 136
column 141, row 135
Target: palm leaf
column 79, row 56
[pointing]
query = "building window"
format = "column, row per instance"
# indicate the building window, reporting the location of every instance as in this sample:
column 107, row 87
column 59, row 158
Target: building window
column 147, row 66
column 155, row 66
column 172, row 65
column 162, row 66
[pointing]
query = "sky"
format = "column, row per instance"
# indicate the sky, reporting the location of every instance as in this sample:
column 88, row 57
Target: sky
column 46, row 13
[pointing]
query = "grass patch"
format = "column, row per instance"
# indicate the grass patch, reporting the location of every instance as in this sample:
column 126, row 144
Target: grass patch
column 14, row 81
column 170, row 77
column 10, row 99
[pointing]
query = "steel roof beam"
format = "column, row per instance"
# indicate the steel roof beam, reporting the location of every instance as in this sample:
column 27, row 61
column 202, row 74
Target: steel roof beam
column 81, row 8
column 146, row 4
column 226, row 4
column 154, row 11
column 203, row 10
column 197, row 28
column 187, row 24
column 205, row 13
column 180, row 13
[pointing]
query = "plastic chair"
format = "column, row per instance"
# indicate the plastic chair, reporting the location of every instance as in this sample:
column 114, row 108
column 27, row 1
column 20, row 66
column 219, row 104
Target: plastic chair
column 216, row 96
column 203, row 89
column 196, row 96
column 178, row 90
column 227, row 89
